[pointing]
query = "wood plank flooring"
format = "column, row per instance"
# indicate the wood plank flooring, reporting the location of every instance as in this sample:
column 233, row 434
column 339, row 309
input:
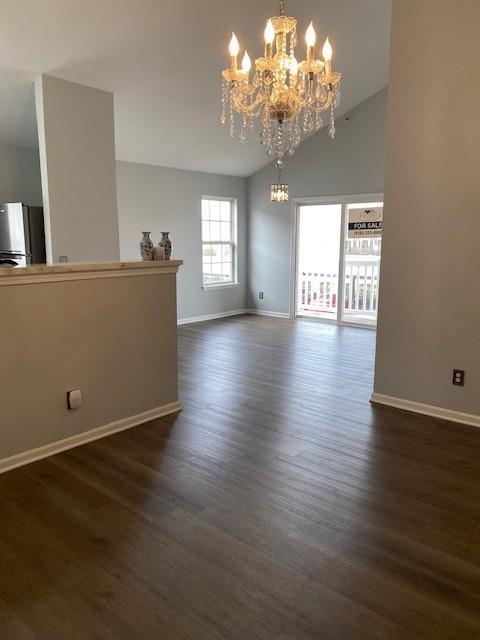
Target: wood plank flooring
column 279, row 505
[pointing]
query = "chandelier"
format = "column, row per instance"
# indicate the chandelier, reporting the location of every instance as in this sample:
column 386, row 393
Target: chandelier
column 288, row 97
column 279, row 189
column 279, row 192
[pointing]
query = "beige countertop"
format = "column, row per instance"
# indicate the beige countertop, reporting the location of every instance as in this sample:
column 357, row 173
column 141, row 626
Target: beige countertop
column 85, row 271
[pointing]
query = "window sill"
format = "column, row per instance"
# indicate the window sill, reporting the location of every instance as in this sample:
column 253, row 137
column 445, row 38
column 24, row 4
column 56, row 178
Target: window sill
column 213, row 287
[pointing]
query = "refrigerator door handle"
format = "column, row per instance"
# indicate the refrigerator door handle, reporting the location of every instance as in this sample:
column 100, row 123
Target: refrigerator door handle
column 14, row 254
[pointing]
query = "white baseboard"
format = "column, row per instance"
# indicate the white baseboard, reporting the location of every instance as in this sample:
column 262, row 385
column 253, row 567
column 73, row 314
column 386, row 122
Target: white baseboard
column 271, row 314
column 212, row 316
column 426, row 409
column 227, row 314
column 26, row 457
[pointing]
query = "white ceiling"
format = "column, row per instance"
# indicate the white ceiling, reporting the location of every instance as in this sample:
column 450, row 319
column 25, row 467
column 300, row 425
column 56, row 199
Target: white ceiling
column 162, row 59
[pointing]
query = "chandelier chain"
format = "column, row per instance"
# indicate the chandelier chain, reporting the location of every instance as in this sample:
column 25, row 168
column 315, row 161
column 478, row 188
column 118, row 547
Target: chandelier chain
column 282, row 7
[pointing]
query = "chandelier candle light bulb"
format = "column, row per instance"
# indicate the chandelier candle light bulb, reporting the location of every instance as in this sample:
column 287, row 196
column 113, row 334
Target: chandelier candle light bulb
column 269, row 35
column 246, row 64
column 310, row 39
column 327, row 56
column 234, row 48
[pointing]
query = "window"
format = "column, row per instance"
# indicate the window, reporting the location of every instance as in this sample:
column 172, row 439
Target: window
column 218, row 241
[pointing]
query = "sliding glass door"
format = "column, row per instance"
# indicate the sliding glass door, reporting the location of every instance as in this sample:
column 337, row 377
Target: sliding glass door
column 338, row 261
column 319, row 233
column 361, row 273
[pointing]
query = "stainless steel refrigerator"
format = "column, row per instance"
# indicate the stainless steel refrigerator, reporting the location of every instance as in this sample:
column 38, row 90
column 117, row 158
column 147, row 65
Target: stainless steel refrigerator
column 22, row 235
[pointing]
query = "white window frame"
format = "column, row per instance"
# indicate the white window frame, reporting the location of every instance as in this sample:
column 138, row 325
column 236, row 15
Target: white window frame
column 233, row 244
column 344, row 201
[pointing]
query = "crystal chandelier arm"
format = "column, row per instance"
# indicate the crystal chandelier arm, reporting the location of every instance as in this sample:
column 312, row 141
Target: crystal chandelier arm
column 309, row 99
column 240, row 100
column 323, row 106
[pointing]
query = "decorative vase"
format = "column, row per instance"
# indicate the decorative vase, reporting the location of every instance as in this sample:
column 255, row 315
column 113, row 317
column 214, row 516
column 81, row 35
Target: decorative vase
column 165, row 242
column 146, row 246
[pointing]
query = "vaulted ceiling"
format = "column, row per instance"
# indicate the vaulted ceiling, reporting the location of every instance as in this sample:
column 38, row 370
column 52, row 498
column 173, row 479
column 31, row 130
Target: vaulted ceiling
column 162, row 60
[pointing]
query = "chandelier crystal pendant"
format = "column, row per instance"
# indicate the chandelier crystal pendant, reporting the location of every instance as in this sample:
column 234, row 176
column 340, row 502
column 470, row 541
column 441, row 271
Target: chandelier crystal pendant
column 288, row 97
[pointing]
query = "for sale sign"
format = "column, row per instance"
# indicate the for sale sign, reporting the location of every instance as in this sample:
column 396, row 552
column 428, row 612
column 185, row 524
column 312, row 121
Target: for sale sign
column 365, row 223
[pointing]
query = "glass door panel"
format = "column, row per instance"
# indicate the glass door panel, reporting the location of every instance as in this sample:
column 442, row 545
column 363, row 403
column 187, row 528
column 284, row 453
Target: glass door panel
column 319, row 235
column 363, row 246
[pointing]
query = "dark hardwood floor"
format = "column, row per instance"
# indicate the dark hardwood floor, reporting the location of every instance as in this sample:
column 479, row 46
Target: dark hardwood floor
column 278, row 506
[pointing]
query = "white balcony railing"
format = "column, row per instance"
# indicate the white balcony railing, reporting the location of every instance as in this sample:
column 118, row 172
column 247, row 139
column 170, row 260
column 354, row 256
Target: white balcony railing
column 318, row 292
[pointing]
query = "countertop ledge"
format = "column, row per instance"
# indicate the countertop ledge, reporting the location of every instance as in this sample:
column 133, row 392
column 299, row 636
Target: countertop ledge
column 85, row 271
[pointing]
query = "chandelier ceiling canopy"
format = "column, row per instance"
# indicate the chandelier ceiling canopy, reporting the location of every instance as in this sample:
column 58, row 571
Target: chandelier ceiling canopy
column 286, row 95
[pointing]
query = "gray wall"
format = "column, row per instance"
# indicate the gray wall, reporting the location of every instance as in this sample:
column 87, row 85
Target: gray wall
column 156, row 199
column 113, row 338
column 429, row 319
column 20, row 175
column 77, row 155
column 353, row 163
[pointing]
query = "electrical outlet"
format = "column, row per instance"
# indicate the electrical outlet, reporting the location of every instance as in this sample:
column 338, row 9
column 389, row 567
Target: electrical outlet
column 74, row 399
column 260, row 295
column 458, row 378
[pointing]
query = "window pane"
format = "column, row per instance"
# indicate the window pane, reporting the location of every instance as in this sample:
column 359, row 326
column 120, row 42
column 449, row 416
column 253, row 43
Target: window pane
column 207, row 254
column 215, row 231
column 206, row 231
column 216, row 253
column 226, row 253
column 225, row 211
column 214, row 210
column 217, row 272
column 205, row 209
column 227, row 270
column 226, row 231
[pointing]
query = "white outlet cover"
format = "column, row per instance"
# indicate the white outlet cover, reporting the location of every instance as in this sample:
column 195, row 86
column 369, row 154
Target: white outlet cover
column 74, row 399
